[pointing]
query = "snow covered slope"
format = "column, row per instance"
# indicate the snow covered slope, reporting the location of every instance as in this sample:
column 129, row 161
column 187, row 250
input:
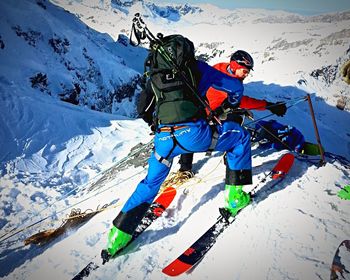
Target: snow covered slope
column 55, row 156
column 47, row 50
column 51, row 151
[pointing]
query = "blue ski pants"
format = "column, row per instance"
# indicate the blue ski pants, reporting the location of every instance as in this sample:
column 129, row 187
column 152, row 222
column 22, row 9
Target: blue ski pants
column 192, row 137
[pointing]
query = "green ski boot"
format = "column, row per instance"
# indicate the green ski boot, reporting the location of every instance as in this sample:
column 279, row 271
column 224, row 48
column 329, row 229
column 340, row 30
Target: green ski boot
column 117, row 240
column 235, row 199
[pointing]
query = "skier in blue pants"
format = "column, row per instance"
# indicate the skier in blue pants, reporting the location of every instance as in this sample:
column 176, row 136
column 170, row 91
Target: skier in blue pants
column 194, row 136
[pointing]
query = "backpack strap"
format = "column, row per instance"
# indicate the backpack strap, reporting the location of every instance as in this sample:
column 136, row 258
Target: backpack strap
column 214, row 140
column 171, row 130
column 162, row 159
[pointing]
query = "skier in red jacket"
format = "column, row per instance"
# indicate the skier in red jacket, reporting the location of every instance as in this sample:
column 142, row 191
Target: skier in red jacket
column 241, row 63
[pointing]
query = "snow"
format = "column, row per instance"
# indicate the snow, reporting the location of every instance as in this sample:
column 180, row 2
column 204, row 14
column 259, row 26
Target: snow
column 56, row 156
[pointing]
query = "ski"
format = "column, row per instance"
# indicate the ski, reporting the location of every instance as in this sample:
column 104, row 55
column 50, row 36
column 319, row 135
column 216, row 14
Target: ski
column 340, row 266
column 155, row 211
column 196, row 252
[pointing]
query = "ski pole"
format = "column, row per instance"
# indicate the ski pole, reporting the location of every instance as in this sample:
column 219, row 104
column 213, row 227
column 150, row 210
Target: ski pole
column 323, row 160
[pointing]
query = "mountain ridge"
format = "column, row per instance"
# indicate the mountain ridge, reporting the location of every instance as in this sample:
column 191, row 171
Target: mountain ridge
column 62, row 57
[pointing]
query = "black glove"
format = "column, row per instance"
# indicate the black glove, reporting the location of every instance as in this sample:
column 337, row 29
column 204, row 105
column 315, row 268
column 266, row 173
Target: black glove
column 278, row 108
column 153, row 127
column 249, row 114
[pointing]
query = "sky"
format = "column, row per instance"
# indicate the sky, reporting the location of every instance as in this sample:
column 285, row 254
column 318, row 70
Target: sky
column 309, row 7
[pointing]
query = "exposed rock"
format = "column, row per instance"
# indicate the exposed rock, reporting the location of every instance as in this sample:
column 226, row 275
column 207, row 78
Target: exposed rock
column 327, row 73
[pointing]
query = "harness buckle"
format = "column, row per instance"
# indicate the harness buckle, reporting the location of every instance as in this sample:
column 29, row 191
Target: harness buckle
column 170, row 76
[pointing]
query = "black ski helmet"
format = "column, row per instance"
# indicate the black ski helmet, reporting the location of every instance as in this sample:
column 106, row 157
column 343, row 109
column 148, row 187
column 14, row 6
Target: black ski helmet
column 243, row 58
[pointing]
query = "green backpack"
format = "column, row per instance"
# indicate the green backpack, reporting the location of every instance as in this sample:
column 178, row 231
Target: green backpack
column 175, row 102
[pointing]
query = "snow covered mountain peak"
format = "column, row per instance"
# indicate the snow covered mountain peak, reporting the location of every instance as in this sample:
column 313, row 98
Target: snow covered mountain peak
column 171, row 12
column 180, row 10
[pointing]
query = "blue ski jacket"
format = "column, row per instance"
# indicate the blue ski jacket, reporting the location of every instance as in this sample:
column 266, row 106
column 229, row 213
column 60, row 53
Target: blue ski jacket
column 211, row 77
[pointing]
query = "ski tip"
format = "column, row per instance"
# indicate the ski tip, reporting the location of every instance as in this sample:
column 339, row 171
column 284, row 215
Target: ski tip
column 286, row 160
column 289, row 157
column 166, row 197
column 339, row 265
column 283, row 166
column 176, row 268
column 169, row 191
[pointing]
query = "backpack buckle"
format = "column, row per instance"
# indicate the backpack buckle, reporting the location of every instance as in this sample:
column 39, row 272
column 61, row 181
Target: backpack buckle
column 170, row 76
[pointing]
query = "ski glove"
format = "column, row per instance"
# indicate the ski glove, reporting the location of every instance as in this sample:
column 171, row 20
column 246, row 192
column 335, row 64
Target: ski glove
column 278, row 108
column 345, row 72
column 222, row 111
